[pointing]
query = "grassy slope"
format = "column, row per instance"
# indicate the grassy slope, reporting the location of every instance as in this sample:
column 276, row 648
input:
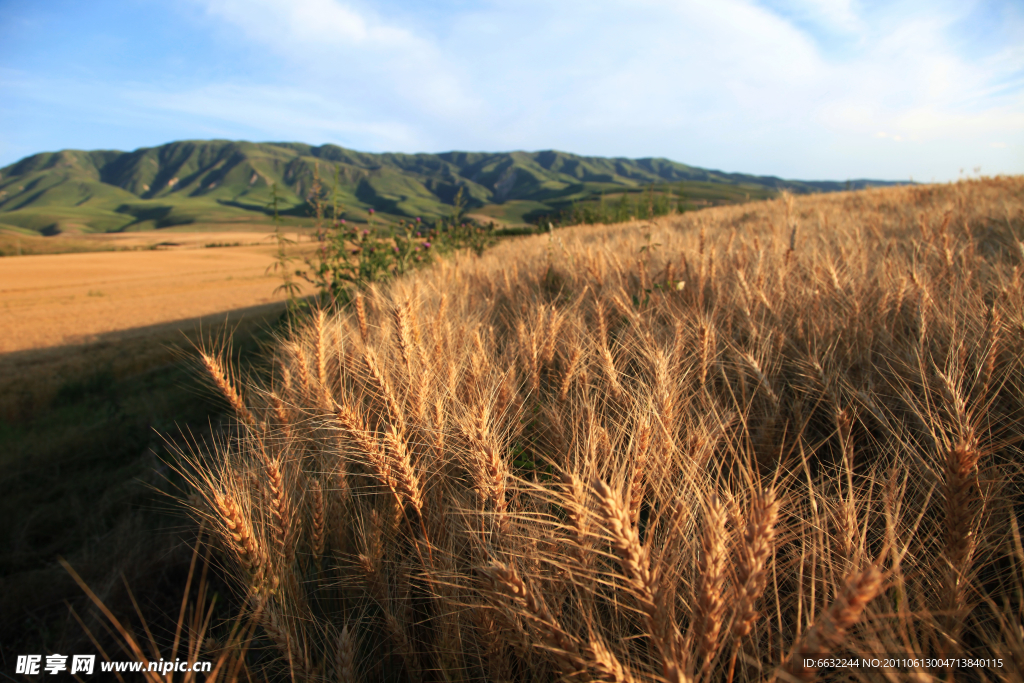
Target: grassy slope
column 223, row 182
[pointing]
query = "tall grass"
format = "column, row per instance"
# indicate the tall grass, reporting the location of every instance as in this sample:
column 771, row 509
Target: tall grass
column 706, row 448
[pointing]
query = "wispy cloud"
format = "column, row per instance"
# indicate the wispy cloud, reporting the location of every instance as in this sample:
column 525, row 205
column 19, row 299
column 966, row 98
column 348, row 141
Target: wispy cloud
column 353, row 53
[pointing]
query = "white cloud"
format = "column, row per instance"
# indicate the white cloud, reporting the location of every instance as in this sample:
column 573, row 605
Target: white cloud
column 834, row 15
column 350, row 51
column 742, row 85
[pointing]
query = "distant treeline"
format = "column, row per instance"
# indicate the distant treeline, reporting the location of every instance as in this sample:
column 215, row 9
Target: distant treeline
column 640, row 205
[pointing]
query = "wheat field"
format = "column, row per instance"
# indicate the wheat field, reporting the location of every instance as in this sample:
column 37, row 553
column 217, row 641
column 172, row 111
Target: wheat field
column 713, row 447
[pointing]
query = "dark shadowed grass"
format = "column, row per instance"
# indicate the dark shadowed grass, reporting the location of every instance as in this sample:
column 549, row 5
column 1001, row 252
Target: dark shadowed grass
column 85, row 477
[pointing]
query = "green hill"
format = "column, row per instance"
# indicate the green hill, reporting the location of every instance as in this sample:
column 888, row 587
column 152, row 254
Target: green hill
column 218, row 183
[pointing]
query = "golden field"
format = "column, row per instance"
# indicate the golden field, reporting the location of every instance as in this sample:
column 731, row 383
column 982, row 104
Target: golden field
column 66, row 315
column 715, row 447
column 70, row 298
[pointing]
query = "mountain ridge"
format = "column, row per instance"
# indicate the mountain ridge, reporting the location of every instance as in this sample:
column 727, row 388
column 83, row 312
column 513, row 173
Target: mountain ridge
column 224, row 181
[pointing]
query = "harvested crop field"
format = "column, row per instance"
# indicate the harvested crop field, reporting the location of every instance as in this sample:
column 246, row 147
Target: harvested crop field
column 63, row 314
column 72, row 298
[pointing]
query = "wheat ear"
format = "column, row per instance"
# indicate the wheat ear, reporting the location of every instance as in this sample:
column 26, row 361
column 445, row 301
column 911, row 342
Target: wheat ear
column 574, row 359
column 404, row 337
column 394, row 468
column 506, row 580
column 665, row 403
column 361, row 317
column 400, row 475
column 605, row 354
column 284, row 638
column 320, row 356
column 222, row 379
column 606, row 664
column 756, row 547
column 827, row 633
column 302, row 362
column 554, row 327
column 961, row 489
column 654, row 601
column 280, row 506
column 383, row 387
column 636, row 485
column 576, row 503
column 707, row 341
column 345, row 656
column 281, row 414
column 491, row 469
column 240, row 534
column 317, row 520
column 711, row 581
column 611, row 374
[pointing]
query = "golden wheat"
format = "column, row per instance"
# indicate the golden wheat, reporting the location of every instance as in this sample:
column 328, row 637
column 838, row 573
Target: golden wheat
column 537, row 480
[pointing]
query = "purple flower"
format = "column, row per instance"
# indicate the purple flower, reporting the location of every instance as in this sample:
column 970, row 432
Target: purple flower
column 343, row 221
column 395, row 248
column 366, row 232
column 371, row 212
column 417, row 219
column 426, row 245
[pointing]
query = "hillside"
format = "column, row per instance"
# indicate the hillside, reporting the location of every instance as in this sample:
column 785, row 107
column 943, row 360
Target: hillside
column 220, row 182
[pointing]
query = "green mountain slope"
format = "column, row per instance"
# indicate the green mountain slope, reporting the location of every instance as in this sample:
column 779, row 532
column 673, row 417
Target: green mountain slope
column 218, row 183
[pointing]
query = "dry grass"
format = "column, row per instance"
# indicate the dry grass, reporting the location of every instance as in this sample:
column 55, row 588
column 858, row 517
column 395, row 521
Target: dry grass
column 689, row 450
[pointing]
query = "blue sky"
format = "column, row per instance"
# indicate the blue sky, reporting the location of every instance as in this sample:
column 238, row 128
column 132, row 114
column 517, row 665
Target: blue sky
column 811, row 89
